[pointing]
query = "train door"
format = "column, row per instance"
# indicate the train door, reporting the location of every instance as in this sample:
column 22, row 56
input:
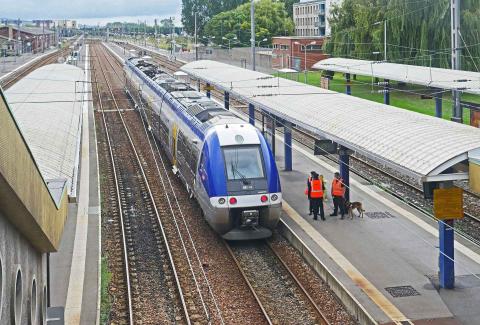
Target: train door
column 173, row 143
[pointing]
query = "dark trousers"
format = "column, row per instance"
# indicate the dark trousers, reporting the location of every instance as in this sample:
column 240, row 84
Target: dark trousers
column 338, row 202
column 317, row 204
column 310, row 204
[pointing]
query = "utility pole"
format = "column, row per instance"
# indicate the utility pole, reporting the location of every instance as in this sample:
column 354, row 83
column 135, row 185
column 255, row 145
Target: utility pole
column 385, row 39
column 457, row 110
column 196, row 45
column 252, row 26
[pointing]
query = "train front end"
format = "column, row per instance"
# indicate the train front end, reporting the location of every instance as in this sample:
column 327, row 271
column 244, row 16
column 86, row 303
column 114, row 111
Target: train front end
column 240, row 182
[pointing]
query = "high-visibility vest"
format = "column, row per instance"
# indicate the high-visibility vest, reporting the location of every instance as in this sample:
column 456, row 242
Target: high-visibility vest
column 337, row 189
column 309, row 181
column 316, row 191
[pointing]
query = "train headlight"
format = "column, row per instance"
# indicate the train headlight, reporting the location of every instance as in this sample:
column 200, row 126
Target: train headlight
column 233, row 200
column 221, row 200
column 264, row 198
column 274, row 197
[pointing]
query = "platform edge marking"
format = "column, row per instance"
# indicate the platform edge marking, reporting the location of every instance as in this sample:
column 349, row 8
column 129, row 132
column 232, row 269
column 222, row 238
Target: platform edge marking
column 353, row 273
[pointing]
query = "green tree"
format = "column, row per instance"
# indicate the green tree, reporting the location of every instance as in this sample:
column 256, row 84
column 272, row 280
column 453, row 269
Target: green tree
column 271, row 19
column 418, row 32
column 205, row 10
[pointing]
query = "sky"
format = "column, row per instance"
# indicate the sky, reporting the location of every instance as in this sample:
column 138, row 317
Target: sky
column 92, row 12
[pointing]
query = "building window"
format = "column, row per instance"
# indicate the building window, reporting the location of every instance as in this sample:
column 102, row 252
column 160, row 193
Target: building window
column 33, row 302
column 43, row 316
column 17, row 304
column 1, row 286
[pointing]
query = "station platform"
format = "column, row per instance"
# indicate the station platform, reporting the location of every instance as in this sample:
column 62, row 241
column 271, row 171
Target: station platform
column 389, row 259
column 10, row 64
column 75, row 268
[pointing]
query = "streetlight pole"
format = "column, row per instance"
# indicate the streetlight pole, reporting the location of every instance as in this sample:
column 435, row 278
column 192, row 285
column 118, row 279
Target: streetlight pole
column 252, row 31
column 384, row 38
column 305, row 51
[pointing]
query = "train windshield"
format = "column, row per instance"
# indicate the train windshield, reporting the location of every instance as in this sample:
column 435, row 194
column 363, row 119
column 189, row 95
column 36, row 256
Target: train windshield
column 243, row 162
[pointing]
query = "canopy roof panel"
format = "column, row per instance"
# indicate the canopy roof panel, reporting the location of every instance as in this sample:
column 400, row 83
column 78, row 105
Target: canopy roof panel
column 466, row 81
column 415, row 144
column 47, row 107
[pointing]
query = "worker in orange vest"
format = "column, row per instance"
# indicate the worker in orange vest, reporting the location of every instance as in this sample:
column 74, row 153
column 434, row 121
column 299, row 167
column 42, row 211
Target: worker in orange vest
column 338, row 194
column 316, row 197
column 307, row 192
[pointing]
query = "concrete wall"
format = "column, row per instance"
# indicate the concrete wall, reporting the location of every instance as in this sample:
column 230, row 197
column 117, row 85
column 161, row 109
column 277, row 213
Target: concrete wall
column 16, row 251
column 263, row 61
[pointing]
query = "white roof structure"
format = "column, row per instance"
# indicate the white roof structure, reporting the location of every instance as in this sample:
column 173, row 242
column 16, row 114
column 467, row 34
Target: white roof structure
column 47, row 106
column 415, row 144
column 466, row 81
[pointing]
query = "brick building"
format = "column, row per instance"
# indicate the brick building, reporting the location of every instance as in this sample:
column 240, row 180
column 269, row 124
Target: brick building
column 289, row 52
column 31, row 39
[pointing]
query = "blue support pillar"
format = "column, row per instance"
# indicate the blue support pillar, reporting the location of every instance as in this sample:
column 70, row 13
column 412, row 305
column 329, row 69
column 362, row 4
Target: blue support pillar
column 208, row 90
column 348, row 85
column 386, row 93
column 251, row 114
column 227, row 100
column 344, row 156
column 274, row 126
column 446, row 265
column 438, row 102
column 288, row 145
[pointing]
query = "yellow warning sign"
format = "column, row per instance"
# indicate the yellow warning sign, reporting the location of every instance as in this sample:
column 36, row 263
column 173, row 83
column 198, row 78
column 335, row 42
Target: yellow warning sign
column 448, row 203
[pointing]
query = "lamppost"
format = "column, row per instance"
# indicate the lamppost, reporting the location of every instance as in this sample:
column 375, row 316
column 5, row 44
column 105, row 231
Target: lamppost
column 229, row 41
column 305, row 50
column 384, row 37
column 263, row 40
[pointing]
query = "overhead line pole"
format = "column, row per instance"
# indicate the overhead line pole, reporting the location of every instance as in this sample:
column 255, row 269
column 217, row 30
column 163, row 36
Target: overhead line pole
column 252, row 27
column 457, row 115
column 196, row 45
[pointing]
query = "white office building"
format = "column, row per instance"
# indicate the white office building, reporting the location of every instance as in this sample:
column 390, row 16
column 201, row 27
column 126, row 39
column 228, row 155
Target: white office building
column 311, row 17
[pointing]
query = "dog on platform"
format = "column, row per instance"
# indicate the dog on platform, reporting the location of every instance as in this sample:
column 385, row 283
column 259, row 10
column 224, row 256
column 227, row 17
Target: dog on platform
column 351, row 206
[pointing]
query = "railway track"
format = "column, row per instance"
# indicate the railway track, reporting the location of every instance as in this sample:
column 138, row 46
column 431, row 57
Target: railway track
column 146, row 276
column 48, row 59
column 236, row 303
column 271, row 280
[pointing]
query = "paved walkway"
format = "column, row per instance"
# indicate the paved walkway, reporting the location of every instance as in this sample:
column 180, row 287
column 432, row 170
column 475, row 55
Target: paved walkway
column 393, row 246
column 12, row 63
column 75, row 268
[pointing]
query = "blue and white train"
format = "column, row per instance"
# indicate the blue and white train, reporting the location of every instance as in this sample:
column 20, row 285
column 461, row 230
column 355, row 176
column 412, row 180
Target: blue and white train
column 224, row 162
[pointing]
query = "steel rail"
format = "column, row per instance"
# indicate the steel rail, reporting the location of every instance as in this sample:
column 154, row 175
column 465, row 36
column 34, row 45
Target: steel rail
column 119, row 206
column 324, row 320
column 172, row 190
column 245, row 278
column 139, row 164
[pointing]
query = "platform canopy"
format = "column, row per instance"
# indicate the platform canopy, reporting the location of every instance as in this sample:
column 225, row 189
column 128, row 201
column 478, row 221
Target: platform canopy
column 466, row 81
column 414, row 144
column 47, row 105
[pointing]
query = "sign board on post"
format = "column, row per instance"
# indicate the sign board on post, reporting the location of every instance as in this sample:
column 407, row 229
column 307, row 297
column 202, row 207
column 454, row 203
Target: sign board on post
column 448, row 203
column 208, row 87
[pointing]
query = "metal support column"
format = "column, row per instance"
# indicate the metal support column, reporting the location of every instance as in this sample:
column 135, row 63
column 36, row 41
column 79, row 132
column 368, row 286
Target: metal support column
column 263, row 124
column 457, row 109
column 386, row 93
column 438, row 102
column 274, row 125
column 287, row 133
column 446, row 265
column 344, row 157
column 208, row 90
column 227, row 100
column 251, row 114
column 348, row 86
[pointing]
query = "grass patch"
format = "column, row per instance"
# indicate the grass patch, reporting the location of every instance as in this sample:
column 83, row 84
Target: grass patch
column 105, row 298
column 402, row 98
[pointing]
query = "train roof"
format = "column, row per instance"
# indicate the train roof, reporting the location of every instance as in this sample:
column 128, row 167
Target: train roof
column 204, row 111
